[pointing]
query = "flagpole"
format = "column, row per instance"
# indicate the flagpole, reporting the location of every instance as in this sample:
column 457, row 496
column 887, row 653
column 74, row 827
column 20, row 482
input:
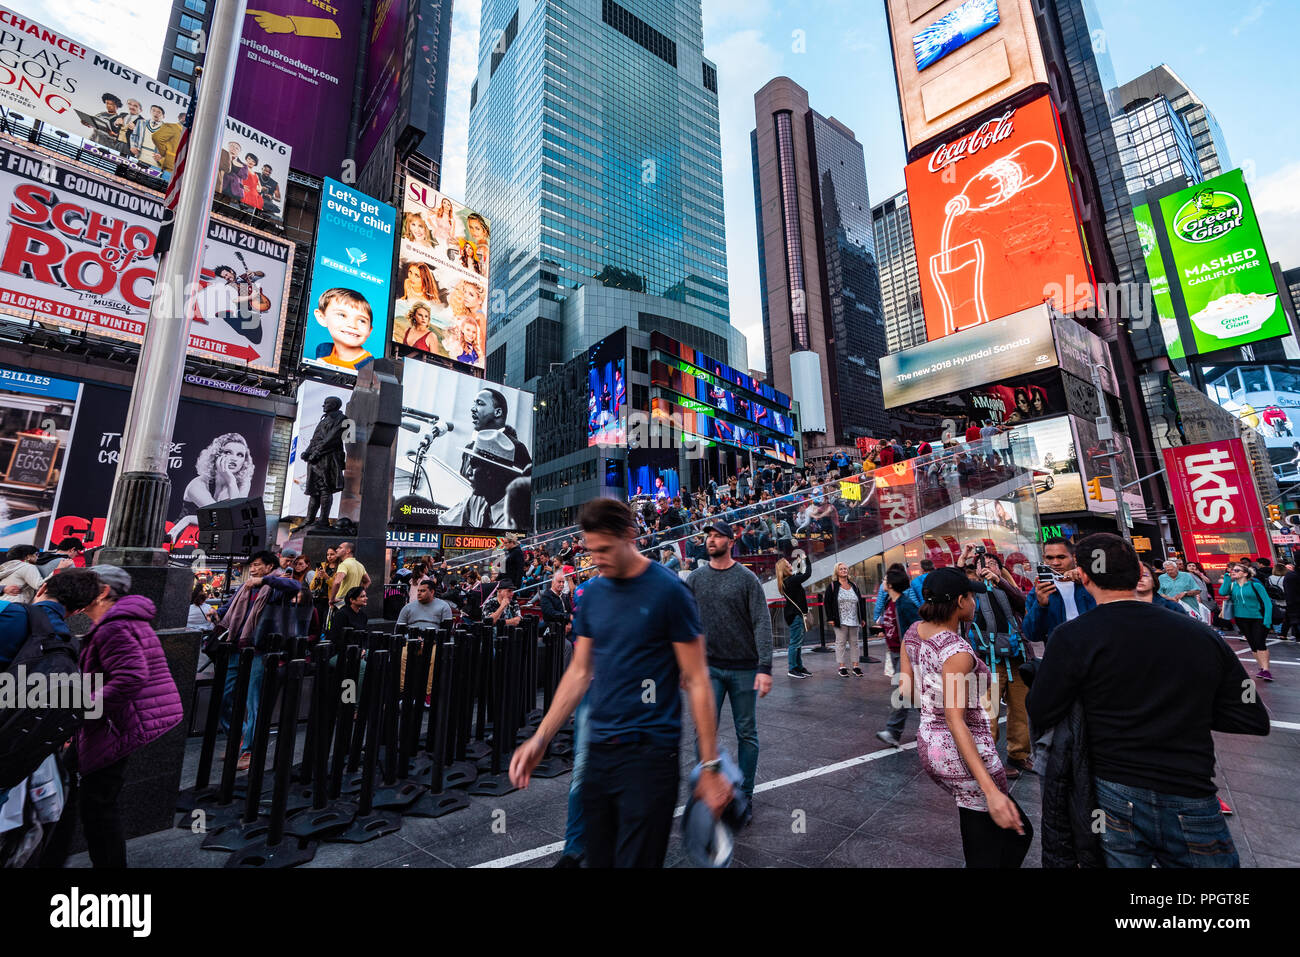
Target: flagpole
column 141, row 491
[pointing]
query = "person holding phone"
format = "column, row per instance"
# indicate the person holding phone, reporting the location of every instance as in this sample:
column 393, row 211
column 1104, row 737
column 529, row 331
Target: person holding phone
column 1057, row 595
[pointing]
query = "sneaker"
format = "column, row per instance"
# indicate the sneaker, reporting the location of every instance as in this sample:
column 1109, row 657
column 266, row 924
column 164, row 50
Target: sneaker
column 844, row 672
column 747, row 818
column 803, row 672
column 245, row 760
column 1022, row 764
column 797, row 673
column 888, row 737
column 857, row 672
column 1264, row 675
column 1223, row 808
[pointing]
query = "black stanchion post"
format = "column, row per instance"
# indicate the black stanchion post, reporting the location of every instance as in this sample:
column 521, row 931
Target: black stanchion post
column 370, row 823
column 324, row 815
column 396, row 794
column 346, row 702
column 270, row 849
column 496, row 782
column 434, row 802
column 202, row 793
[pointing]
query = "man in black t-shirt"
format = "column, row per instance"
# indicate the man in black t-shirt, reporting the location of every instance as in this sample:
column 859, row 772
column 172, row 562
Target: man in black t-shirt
column 638, row 639
column 1153, row 685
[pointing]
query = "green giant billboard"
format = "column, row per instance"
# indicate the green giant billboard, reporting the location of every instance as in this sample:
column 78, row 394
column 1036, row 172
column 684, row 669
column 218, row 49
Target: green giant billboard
column 1216, row 265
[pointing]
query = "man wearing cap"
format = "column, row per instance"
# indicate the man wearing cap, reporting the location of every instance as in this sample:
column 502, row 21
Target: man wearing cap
column 738, row 638
column 491, row 461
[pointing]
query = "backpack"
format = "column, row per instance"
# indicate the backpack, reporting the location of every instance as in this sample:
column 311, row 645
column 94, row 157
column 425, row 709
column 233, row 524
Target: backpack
column 29, row 735
column 1275, row 594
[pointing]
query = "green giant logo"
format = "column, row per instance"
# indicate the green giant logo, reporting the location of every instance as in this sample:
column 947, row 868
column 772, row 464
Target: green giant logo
column 1208, row 215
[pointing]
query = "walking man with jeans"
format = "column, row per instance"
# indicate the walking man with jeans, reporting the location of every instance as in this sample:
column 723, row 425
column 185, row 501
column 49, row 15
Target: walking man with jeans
column 1153, row 684
column 738, row 631
column 639, row 641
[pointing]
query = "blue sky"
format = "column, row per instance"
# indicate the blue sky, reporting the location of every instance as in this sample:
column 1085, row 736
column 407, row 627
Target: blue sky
column 1238, row 56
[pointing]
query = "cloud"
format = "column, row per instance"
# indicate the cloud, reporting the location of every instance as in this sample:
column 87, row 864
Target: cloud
column 722, row 15
column 1255, row 13
column 461, row 72
column 745, row 62
column 132, row 33
column 1277, row 204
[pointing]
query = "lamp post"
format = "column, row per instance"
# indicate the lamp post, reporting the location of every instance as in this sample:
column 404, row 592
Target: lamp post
column 539, row 501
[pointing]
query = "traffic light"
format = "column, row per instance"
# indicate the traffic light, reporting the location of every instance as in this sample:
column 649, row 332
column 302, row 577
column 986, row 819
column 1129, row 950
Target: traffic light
column 1094, row 489
column 1274, row 513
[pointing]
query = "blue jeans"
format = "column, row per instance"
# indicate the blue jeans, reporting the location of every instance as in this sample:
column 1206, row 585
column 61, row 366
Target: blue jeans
column 897, row 716
column 744, row 714
column 254, row 698
column 574, row 846
column 1145, row 826
column 794, row 643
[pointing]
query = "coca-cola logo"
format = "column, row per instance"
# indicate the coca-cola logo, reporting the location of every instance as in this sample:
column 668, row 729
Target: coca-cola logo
column 994, row 131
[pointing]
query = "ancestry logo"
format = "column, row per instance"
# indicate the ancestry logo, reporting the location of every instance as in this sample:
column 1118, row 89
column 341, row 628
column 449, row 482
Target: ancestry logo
column 75, row 910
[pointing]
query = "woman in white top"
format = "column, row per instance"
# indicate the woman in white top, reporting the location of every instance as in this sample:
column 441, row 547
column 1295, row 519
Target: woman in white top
column 846, row 609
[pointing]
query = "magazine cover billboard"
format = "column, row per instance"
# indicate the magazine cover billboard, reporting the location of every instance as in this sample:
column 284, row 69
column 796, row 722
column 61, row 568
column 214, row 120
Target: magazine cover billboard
column 37, row 416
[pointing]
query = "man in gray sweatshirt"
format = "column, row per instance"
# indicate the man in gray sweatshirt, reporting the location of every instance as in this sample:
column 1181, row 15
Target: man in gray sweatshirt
column 738, row 638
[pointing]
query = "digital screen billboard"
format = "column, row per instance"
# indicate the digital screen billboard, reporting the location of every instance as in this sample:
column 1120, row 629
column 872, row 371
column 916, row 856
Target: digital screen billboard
column 607, row 391
column 992, row 352
column 311, row 398
column 1048, row 445
column 127, row 117
column 955, row 59
column 1113, row 473
column 349, row 298
column 719, row 370
column 295, row 76
column 709, row 390
column 464, row 452
column 1159, row 276
column 1220, row 266
column 1080, row 351
column 217, row 454
column 954, row 30
column 994, row 223
column 1218, row 509
column 79, row 252
column 698, row 422
column 37, row 417
column 653, row 474
column 383, row 74
column 440, row 303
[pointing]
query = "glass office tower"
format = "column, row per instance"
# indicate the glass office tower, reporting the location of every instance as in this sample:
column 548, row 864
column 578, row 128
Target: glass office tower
column 594, row 151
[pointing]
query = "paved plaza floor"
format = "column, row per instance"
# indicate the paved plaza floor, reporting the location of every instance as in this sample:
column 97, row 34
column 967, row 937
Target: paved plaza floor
column 829, row 793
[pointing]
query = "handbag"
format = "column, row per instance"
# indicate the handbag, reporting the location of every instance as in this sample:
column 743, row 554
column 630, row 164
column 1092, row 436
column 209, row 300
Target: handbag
column 1228, row 613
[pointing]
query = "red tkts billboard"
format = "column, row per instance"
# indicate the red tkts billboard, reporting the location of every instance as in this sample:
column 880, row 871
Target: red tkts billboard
column 1214, row 496
column 994, row 223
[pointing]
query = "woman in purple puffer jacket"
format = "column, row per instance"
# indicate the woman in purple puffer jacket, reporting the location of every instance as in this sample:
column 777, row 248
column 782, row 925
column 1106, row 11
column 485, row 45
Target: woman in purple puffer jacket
column 140, row 704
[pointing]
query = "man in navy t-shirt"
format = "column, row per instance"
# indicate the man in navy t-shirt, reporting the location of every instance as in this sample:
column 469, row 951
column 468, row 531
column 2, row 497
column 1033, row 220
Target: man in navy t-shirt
column 639, row 639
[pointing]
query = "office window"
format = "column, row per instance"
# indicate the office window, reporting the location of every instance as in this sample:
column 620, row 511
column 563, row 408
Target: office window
column 710, row 79
column 198, row 6
column 191, row 24
column 176, row 83
column 182, row 65
column 495, row 367
column 640, row 360
column 188, row 44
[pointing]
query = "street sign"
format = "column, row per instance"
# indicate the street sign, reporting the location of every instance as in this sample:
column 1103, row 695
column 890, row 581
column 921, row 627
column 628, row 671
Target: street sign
column 1141, row 543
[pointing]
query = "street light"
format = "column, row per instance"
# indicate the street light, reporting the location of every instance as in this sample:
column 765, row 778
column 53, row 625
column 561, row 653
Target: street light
column 539, row 501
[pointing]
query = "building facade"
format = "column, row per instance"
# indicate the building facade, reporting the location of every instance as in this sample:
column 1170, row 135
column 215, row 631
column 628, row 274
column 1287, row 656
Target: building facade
column 1207, row 137
column 823, row 317
column 900, row 287
column 594, row 150
column 1156, row 147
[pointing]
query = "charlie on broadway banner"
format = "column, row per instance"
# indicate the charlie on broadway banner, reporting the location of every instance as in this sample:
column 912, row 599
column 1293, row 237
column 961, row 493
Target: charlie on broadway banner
column 127, row 116
column 78, row 251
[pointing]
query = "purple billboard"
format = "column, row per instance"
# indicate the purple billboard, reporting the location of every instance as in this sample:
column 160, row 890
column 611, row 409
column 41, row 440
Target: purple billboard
column 383, row 75
column 294, row 77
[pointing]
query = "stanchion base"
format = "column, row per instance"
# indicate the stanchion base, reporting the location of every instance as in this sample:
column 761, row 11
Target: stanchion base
column 215, row 818
column 459, row 775
column 397, row 796
column 191, row 798
column 367, row 827
column 534, row 717
column 312, row 823
column 485, row 764
column 436, row 805
column 477, row 749
column 290, row 852
column 421, row 765
column 562, row 749
column 552, row 767
column 352, row 781
column 237, row 836
column 819, row 650
column 492, row 785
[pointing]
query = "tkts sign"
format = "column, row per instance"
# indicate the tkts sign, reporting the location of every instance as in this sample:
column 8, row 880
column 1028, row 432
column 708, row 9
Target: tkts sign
column 1214, row 495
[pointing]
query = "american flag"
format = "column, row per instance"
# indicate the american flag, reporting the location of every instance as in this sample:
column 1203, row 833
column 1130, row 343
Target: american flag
column 173, row 193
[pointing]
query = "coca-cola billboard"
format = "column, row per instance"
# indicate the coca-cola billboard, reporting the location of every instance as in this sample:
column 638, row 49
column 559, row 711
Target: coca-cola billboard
column 994, row 223
column 1219, row 515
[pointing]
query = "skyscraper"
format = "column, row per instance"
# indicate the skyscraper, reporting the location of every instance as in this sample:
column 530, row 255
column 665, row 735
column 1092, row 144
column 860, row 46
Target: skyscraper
column 1207, row 137
column 1155, row 147
column 900, row 287
column 823, row 320
column 594, row 150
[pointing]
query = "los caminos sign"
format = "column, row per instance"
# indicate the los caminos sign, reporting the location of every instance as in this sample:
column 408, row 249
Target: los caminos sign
column 1214, row 496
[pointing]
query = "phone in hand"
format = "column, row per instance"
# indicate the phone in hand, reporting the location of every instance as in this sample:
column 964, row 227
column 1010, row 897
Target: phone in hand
column 1045, row 573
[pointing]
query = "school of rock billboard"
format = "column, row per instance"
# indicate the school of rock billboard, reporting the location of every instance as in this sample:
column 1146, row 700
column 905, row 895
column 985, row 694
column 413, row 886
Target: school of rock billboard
column 79, row 251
